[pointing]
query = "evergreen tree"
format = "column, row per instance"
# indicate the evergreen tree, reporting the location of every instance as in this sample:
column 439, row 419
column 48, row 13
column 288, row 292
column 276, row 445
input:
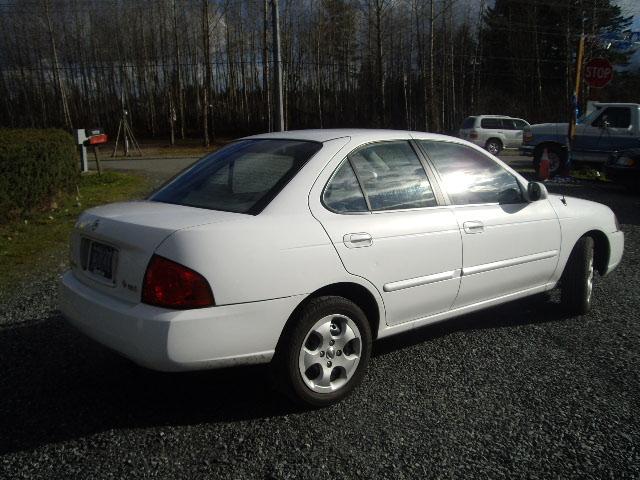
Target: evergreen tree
column 530, row 52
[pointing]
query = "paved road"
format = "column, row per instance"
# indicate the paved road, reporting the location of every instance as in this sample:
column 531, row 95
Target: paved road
column 163, row 166
column 518, row 391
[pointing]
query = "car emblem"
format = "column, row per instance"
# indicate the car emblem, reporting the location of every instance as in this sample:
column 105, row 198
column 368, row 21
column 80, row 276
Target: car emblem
column 94, row 226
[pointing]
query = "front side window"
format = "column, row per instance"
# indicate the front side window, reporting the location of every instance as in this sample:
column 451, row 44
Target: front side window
column 470, row 177
column 614, row 117
column 392, row 176
column 242, row 177
column 520, row 124
column 508, row 124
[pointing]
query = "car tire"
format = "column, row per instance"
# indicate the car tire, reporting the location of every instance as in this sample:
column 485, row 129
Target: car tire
column 324, row 354
column 493, row 146
column 556, row 160
column 576, row 286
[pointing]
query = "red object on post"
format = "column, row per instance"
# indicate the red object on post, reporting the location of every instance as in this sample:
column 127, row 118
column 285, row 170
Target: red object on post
column 98, row 139
column 598, row 72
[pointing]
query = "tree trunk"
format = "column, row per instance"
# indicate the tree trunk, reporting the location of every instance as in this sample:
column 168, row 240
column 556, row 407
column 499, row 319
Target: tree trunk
column 66, row 115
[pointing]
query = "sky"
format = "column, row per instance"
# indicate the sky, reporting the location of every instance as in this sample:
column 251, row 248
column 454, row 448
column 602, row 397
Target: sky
column 632, row 7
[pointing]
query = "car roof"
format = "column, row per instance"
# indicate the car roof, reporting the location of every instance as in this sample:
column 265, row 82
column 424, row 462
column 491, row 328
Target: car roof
column 616, row 104
column 325, row 135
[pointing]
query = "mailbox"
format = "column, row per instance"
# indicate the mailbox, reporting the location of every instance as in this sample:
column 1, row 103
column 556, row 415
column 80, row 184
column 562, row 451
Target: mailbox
column 97, row 139
column 88, row 136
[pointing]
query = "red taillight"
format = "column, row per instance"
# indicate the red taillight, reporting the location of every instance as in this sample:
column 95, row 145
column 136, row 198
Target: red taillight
column 171, row 285
column 473, row 135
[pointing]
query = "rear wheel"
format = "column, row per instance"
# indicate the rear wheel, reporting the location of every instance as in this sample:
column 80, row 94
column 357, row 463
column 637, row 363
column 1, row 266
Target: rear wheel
column 576, row 287
column 493, row 146
column 324, row 356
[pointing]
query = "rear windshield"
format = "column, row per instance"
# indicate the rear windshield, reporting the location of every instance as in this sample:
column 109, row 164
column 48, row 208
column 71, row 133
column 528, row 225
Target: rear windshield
column 469, row 122
column 242, row 177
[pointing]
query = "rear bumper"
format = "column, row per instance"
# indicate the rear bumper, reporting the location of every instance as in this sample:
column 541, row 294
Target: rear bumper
column 170, row 340
column 616, row 248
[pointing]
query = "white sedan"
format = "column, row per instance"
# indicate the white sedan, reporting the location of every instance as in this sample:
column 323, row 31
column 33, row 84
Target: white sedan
column 300, row 248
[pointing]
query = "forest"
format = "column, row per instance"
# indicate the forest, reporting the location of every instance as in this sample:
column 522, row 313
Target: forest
column 205, row 68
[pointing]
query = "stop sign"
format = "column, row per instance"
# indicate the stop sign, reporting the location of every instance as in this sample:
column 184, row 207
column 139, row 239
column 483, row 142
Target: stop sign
column 598, row 72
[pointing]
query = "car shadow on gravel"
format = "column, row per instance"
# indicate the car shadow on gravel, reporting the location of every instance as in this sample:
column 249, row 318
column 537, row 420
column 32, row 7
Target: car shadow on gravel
column 57, row 385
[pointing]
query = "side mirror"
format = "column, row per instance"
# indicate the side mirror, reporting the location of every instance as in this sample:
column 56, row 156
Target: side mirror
column 536, row 191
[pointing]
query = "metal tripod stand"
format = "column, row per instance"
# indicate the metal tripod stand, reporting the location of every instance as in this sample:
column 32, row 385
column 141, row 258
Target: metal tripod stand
column 128, row 139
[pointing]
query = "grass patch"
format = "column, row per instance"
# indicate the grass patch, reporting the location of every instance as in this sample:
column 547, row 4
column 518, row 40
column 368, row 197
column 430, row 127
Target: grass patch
column 589, row 174
column 38, row 243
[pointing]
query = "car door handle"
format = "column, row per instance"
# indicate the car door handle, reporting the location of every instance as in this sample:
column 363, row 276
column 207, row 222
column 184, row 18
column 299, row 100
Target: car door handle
column 357, row 240
column 473, row 227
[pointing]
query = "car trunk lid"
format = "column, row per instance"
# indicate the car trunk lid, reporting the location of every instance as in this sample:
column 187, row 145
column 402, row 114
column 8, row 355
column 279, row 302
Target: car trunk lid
column 111, row 245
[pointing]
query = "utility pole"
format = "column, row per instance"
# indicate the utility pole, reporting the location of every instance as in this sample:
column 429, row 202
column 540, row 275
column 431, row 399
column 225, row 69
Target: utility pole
column 580, row 61
column 275, row 18
column 574, row 103
column 265, row 65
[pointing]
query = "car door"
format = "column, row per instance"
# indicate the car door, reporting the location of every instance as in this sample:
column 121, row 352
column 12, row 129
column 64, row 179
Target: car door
column 511, row 137
column 519, row 128
column 617, row 133
column 509, row 245
column 381, row 214
column 589, row 134
column 491, row 127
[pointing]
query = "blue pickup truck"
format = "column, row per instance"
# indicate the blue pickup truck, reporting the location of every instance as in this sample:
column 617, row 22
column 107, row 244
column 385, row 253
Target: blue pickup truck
column 608, row 128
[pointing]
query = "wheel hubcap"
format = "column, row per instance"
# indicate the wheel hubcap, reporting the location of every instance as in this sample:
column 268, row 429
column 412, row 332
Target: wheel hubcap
column 330, row 353
column 589, row 280
column 493, row 148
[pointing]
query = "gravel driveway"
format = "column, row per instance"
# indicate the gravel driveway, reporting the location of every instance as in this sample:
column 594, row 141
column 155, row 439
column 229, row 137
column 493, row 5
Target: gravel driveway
column 515, row 391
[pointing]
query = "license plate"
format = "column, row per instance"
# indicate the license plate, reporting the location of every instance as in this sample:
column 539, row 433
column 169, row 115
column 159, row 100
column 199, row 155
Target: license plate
column 101, row 260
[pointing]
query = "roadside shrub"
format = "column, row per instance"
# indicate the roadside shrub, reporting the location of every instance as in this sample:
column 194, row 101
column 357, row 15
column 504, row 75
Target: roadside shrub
column 35, row 166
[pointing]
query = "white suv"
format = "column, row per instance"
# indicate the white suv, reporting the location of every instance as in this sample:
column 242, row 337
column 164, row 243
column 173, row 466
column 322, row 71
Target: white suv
column 493, row 132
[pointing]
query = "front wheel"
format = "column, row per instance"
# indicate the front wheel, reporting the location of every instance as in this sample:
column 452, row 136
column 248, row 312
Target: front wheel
column 324, row 356
column 576, row 285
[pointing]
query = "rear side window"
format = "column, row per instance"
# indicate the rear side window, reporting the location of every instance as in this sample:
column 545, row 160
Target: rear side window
column 469, row 122
column 343, row 193
column 242, row 177
column 470, row 177
column 492, row 123
column 392, row 176
column 508, row 124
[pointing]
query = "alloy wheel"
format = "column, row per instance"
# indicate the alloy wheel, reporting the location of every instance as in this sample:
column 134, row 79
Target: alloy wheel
column 330, row 353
